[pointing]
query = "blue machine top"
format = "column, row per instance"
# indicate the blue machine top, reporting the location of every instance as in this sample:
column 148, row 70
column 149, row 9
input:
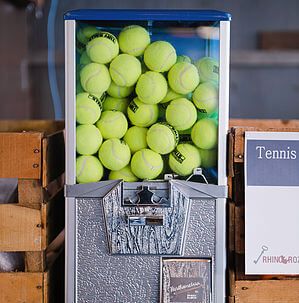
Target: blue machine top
column 136, row 14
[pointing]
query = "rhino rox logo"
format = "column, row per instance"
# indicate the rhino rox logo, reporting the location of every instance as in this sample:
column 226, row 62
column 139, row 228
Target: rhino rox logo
column 274, row 259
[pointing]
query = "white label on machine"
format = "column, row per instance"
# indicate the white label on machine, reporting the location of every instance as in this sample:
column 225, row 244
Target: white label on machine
column 271, row 203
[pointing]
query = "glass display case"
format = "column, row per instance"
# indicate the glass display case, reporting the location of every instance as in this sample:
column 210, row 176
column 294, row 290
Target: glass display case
column 146, row 125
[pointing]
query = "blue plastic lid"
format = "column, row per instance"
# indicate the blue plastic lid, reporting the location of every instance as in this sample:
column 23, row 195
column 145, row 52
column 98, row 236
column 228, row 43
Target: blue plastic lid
column 136, row 14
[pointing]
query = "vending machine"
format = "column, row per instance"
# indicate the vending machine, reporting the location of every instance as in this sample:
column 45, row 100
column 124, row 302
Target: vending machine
column 146, row 122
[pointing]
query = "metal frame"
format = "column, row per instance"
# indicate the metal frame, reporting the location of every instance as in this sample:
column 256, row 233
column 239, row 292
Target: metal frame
column 70, row 76
column 70, row 97
column 221, row 258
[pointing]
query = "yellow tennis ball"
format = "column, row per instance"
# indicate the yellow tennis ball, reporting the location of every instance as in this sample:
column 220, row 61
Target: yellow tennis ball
column 205, row 97
column 114, row 154
column 133, row 40
column 95, row 78
column 125, row 174
column 162, row 138
column 135, row 137
column 88, row 108
column 146, row 164
column 83, row 34
column 125, row 70
column 117, row 91
column 141, row 114
column 204, row 134
column 183, row 58
column 171, row 95
column 184, row 159
column 88, row 169
column 151, row 87
column 181, row 114
column 112, row 124
column 102, row 47
column 160, row 56
column 88, row 139
column 116, row 104
column 208, row 157
column 183, row 77
column 208, row 69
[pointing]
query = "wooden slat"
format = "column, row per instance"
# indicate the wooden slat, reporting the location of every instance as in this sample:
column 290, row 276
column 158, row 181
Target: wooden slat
column 44, row 126
column 264, row 123
column 52, row 214
column 231, row 227
column 230, row 158
column 20, row 155
column 53, row 157
column 21, row 287
column 239, row 230
column 231, row 299
column 35, row 261
column 20, row 228
column 30, row 193
column 267, row 291
column 47, row 290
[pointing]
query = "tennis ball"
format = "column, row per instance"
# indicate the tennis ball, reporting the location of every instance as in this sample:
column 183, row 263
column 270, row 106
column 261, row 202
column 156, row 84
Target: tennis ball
column 102, row 47
column 181, row 114
column 141, row 114
column 116, row 104
column 146, row 164
column 117, row 91
column 114, row 154
column 204, row 134
column 208, row 157
column 135, row 137
column 85, row 33
column 88, row 169
column 208, row 69
column 125, row 174
column 162, row 138
column 95, row 78
column 151, row 87
column 88, row 108
column 183, row 77
column 205, row 97
column 125, row 70
column 183, row 58
column 184, row 159
column 113, row 124
column 160, row 56
column 88, row 139
column 133, row 40
column 171, row 95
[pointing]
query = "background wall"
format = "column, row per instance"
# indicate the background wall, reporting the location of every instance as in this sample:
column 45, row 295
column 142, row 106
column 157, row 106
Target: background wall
column 264, row 84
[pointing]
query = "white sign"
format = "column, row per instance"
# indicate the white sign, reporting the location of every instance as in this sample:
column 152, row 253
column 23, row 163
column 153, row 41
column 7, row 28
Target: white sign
column 271, row 203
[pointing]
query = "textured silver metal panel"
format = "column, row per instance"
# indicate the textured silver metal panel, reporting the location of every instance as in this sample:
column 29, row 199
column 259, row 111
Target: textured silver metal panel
column 201, row 233
column 105, row 278
column 102, row 277
column 147, row 239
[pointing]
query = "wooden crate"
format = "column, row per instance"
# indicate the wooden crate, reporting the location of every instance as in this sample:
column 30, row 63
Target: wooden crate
column 251, row 288
column 33, row 153
column 36, row 287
